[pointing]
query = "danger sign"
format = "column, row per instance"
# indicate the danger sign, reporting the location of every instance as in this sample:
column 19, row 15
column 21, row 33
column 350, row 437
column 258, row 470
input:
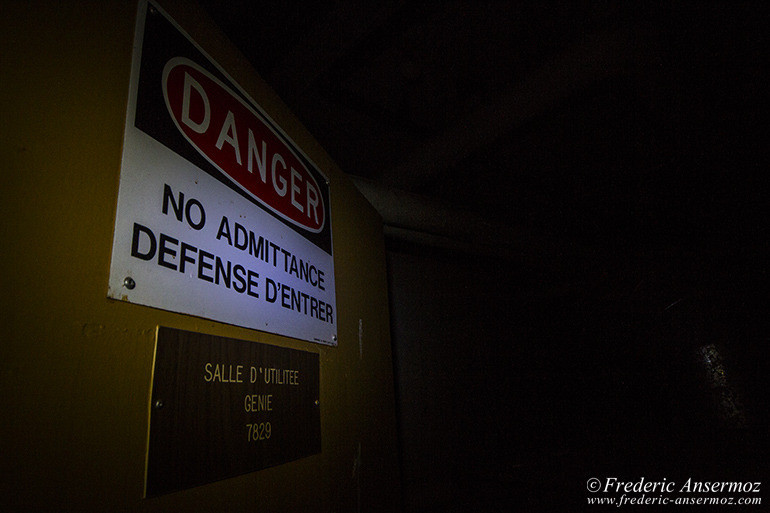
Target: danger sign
column 211, row 117
column 220, row 214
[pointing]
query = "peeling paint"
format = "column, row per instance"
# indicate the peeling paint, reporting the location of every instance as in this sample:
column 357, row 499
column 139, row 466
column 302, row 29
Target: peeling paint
column 92, row 330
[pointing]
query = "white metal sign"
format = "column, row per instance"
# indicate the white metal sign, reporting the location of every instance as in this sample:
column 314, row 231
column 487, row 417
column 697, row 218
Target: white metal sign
column 220, row 215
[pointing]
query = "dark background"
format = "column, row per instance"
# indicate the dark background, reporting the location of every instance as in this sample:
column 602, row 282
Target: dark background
column 576, row 218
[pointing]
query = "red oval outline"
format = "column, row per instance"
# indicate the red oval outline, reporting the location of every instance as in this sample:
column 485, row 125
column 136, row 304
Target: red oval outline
column 176, row 62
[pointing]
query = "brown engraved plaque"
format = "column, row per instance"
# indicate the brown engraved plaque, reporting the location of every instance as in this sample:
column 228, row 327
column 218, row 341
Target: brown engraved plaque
column 222, row 407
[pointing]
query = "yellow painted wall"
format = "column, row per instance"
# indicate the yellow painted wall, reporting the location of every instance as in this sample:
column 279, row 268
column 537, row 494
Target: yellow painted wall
column 75, row 367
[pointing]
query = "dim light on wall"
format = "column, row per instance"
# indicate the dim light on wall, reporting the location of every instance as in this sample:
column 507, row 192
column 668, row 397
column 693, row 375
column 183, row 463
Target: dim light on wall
column 727, row 400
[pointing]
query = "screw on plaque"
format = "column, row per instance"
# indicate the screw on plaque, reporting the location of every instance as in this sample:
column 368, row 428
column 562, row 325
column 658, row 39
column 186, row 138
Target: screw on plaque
column 334, row 338
column 129, row 283
column 317, row 402
column 158, row 404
